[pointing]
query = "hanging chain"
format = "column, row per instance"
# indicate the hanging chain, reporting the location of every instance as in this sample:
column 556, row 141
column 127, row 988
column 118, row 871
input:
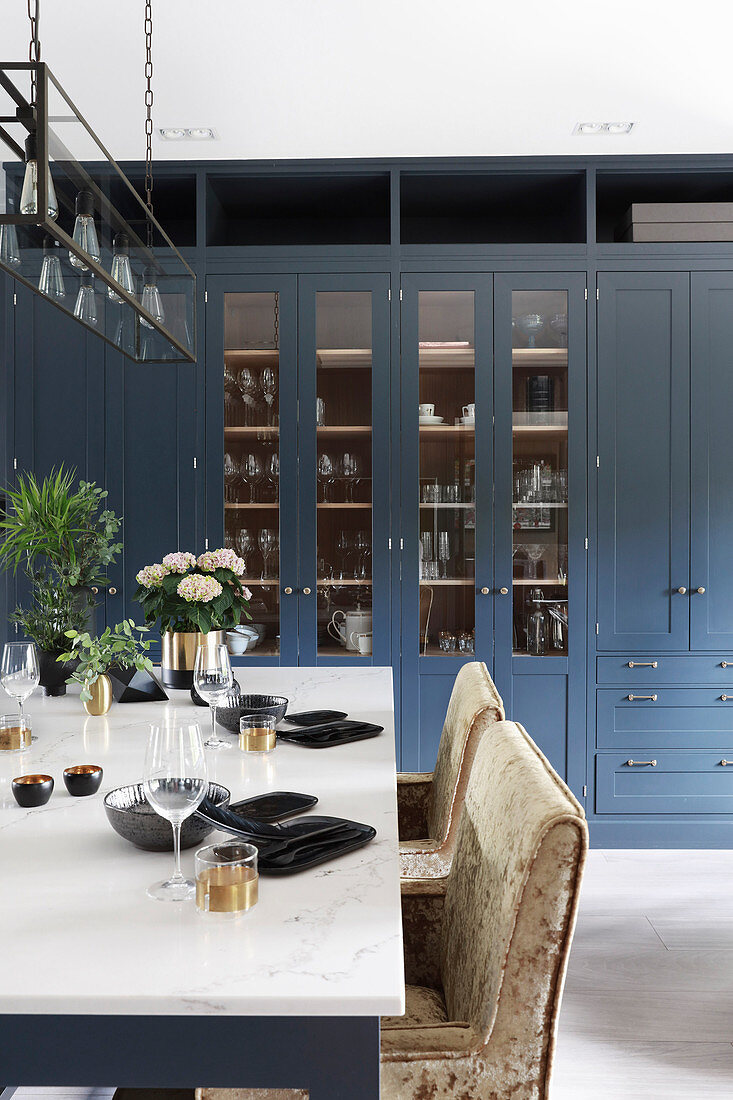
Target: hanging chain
column 34, row 48
column 148, row 114
column 277, row 321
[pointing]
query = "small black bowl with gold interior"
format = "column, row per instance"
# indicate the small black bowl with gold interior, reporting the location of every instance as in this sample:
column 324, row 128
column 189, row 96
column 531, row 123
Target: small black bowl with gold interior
column 83, row 779
column 32, row 790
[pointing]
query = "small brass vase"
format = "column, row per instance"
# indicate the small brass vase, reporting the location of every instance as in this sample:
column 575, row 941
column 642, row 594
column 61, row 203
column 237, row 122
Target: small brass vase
column 101, row 699
column 179, row 655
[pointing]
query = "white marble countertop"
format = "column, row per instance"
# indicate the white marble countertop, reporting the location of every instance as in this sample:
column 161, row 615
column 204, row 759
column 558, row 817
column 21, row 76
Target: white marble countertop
column 79, row 935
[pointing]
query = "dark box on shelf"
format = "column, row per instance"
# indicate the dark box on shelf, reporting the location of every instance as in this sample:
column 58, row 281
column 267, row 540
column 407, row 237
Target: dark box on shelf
column 677, row 221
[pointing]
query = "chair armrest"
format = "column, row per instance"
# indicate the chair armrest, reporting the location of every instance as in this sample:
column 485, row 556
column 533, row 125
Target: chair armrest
column 413, row 797
column 422, row 922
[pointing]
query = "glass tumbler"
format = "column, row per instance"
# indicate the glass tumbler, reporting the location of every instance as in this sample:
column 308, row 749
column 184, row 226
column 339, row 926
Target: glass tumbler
column 257, row 733
column 15, row 732
column 226, row 880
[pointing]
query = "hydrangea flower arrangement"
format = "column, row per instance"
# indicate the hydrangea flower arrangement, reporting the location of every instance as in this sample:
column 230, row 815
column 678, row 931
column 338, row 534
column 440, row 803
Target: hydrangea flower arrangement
column 185, row 593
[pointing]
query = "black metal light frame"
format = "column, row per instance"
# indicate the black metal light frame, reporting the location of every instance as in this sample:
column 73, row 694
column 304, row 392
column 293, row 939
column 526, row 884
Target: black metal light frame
column 167, row 261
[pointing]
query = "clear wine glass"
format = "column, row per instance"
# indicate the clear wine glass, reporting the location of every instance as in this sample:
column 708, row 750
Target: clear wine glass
column 351, row 468
column 273, row 474
column 326, row 474
column 444, row 550
column 231, row 476
column 343, row 546
column 176, row 781
column 19, row 672
column 213, row 679
column 245, row 546
column 248, row 388
column 268, row 382
column 269, row 542
column 363, row 542
column 252, row 471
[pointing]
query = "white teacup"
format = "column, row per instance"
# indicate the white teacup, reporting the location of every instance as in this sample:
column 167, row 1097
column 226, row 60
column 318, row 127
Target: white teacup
column 426, row 409
column 238, row 643
column 362, row 642
column 469, row 411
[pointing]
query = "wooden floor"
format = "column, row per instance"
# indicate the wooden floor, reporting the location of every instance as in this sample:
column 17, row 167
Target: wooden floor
column 648, row 1006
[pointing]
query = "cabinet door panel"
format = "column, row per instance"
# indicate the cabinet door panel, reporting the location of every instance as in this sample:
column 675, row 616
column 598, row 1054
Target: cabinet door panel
column 711, row 612
column 643, row 444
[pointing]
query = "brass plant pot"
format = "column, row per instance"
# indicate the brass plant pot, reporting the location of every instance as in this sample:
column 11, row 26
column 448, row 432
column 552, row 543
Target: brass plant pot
column 179, row 655
column 101, row 699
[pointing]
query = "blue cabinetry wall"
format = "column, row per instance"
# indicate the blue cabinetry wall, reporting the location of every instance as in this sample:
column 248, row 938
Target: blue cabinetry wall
column 652, row 396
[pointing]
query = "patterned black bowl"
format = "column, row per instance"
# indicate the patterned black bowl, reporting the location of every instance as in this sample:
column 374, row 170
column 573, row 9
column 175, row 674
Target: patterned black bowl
column 234, row 706
column 131, row 815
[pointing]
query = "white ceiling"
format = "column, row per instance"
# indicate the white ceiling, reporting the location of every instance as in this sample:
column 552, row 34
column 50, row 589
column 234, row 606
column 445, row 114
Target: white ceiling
column 393, row 78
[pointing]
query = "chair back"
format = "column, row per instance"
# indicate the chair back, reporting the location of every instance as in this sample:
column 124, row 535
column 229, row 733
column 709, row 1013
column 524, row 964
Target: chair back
column 474, row 705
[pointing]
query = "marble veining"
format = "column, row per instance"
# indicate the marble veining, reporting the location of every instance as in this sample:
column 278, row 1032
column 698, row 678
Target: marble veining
column 324, row 942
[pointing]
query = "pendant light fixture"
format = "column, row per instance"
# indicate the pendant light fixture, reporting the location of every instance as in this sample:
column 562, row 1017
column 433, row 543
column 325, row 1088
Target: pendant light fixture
column 76, row 230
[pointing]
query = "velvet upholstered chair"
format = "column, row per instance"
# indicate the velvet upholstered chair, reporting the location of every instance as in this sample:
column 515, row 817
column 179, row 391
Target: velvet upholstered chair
column 430, row 803
column 486, row 949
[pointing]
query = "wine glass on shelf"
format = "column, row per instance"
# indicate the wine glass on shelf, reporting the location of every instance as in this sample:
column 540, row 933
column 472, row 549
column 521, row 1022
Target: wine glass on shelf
column 245, row 546
column 269, row 544
column 268, row 384
column 343, row 545
column 531, row 325
column 326, row 473
column 19, row 672
column 559, row 325
column 176, row 781
column 351, row 468
column 273, row 474
column 252, row 471
column 248, row 388
column 535, row 552
column 213, row 679
column 444, row 551
column 230, row 379
column 231, row 476
column 363, row 545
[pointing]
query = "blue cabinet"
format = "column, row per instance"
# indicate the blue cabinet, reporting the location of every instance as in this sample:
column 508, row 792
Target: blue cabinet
column 643, row 461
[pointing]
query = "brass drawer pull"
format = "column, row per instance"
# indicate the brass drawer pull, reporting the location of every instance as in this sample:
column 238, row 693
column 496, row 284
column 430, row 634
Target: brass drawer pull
column 725, row 763
column 725, row 698
column 641, row 763
column 635, row 698
column 723, row 664
column 643, row 664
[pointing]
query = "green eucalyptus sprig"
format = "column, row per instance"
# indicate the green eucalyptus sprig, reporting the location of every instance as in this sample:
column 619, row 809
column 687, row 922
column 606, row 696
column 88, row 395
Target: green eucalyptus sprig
column 116, row 646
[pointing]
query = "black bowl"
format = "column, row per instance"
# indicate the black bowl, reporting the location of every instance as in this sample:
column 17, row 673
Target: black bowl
column 234, row 706
column 131, row 815
column 32, row 790
column 83, row 779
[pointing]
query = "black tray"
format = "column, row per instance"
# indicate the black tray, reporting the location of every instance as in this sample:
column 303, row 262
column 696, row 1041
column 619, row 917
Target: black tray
column 274, row 806
column 331, row 734
column 304, row 860
column 314, row 717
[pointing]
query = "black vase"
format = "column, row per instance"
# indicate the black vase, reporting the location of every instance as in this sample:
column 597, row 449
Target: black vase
column 53, row 674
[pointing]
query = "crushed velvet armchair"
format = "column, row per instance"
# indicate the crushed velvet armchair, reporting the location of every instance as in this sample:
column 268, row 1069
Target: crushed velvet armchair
column 486, row 949
column 429, row 804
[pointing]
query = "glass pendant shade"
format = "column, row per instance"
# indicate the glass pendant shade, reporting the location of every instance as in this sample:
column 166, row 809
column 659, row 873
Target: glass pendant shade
column 121, row 271
column 85, row 232
column 9, row 247
column 151, row 299
column 86, row 302
column 51, row 282
column 29, row 194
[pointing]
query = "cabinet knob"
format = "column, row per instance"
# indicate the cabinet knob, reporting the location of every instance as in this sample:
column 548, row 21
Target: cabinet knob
column 682, row 590
column 700, row 591
column 485, row 591
column 112, row 590
column 503, row 591
column 725, row 698
column 306, row 591
column 288, row 591
column 725, row 763
column 94, row 590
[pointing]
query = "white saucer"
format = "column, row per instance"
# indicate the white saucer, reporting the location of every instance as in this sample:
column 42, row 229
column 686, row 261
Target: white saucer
column 431, row 419
column 468, row 421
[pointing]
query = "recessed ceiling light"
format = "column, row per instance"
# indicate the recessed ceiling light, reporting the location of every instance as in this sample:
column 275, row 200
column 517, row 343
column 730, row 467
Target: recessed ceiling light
column 189, row 133
column 585, row 128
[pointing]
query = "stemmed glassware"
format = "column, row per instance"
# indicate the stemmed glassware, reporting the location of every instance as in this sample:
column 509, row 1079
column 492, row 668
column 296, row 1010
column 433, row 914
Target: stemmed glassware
column 268, row 382
column 535, row 552
column 19, row 673
column 362, row 570
column 249, row 388
column 444, row 552
column 213, row 679
column 252, row 471
column 326, row 474
column 273, row 474
column 351, row 468
column 231, row 476
column 245, row 546
column 343, row 546
column 531, row 325
column 176, row 781
column 559, row 325
column 269, row 542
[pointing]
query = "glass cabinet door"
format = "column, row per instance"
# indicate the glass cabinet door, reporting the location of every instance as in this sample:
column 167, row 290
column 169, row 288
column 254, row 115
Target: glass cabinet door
column 344, row 469
column 256, row 447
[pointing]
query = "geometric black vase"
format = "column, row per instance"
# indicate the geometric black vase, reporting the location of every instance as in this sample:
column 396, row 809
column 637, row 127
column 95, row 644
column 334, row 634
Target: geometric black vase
column 132, row 686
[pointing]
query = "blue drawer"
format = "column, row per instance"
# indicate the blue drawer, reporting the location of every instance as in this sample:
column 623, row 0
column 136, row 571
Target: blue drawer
column 657, row 669
column 678, row 783
column 664, row 718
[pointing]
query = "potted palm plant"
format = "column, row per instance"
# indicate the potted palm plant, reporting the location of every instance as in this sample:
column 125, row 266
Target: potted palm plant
column 64, row 540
